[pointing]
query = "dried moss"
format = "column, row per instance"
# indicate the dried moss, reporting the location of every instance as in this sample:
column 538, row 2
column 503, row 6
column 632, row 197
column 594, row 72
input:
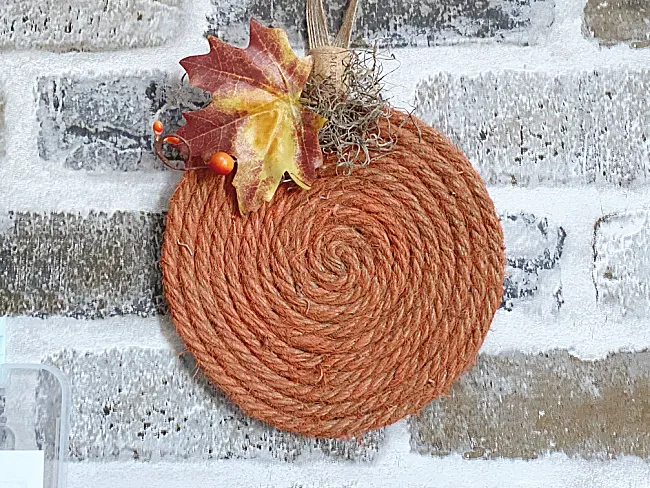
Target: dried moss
column 354, row 132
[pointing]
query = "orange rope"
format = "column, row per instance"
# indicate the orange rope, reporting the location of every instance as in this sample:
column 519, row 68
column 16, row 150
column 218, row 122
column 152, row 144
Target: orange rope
column 332, row 316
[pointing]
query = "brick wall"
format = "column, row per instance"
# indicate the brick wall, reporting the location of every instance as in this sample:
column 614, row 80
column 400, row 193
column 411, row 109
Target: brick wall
column 548, row 99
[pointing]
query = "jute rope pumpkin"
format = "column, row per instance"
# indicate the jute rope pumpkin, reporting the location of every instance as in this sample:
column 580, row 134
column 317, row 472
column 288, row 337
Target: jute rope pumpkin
column 344, row 308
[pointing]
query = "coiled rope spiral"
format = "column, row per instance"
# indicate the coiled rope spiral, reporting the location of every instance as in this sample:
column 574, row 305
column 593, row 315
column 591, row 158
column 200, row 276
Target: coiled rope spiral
column 341, row 309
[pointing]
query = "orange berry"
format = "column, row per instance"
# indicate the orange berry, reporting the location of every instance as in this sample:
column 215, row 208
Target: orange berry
column 173, row 140
column 158, row 127
column 221, row 163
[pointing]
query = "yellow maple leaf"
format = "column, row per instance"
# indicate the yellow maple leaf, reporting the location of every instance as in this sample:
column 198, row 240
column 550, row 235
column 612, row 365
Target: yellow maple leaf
column 255, row 114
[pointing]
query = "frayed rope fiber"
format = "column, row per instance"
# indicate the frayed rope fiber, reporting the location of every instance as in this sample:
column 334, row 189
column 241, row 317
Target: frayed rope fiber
column 344, row 308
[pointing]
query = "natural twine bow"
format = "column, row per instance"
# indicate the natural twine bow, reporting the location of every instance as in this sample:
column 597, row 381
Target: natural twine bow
column 330, row 59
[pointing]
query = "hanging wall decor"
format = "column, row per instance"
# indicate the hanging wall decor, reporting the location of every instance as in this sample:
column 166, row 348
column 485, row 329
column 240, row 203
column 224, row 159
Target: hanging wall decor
column 332, row 263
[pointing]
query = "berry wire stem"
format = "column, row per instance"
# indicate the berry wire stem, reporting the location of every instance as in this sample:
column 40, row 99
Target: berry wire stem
column 158, row 144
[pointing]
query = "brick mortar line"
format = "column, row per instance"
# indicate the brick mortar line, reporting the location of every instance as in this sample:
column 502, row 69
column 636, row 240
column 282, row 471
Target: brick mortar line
column 405, row 469
column 29, row 339
column 594, row 337
column 26, row 186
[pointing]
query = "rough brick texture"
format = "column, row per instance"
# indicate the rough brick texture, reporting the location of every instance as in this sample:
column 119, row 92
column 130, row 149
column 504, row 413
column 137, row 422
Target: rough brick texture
column 80, row 266
column 528, row 129
column 523, row 406
column 146, row 404
column 533, row 252
column 4, row 435
column 622, row 262
column 616, row 21
column 102, row 124
column 88, row 25
column 395, row 23
column 2, row 123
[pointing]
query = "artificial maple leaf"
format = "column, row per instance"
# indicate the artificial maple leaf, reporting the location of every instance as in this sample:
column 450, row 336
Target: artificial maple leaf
column 255, row 114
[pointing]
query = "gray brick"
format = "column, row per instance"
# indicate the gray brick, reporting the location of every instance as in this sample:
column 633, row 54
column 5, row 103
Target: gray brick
column 147, row 404
column 6, row 435
column 523, row 406
column 532, row 129
column 622, row 262
column 396, row 23
column 104, row 124
column 618, row 21
column 533, row 252
column 88, row 25
column 80, row 266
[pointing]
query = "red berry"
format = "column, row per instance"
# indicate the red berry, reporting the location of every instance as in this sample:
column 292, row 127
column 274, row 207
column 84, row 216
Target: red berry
column 221, row 163
column 158, row 127
column 173, row 140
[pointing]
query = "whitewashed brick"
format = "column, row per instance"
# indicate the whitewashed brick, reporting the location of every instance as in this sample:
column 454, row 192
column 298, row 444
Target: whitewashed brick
column 100, row 265
column 394, row 23
column 89, row 267
column 152, row 405
column 104, row 124
column 618, row 21
column 622, row 262
column 533, row 252
column 4, row 434
column 535, row 128
column 527, row 406
column 88, row 25
column 2, row 122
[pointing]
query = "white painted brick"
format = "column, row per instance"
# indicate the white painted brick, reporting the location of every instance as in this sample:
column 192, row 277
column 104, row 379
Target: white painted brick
column 4, row 434
column 152, row 405
column 2, row 121
column 104, row 123
column 317, row 485
column 622, row 262
column 88, row 25
column 395, row 23
column 533, row 252
column 535, row 128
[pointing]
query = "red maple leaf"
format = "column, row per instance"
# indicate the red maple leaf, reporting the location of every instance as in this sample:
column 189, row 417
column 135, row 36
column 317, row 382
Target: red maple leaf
column 255, row 114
